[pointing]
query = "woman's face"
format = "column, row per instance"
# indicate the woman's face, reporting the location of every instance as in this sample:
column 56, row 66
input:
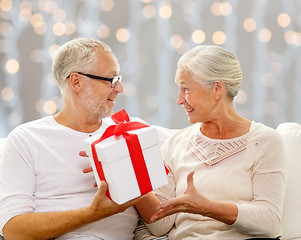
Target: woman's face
column 198, row 101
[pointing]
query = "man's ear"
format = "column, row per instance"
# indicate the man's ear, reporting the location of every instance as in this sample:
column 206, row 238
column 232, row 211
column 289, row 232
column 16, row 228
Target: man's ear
column 219, row 87
column 74, row 81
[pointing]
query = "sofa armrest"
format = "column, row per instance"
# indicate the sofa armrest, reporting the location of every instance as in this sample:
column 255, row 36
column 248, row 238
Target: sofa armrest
column 291, row 217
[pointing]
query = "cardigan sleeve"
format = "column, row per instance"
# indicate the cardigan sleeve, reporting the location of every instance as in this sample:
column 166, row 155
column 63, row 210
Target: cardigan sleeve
column 262, row 215
column 164, row 193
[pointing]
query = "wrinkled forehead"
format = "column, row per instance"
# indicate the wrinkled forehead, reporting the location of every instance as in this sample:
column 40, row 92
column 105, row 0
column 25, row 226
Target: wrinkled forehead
column 181, row 73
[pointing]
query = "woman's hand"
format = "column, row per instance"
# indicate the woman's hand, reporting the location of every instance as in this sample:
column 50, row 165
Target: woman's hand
column 190, row 201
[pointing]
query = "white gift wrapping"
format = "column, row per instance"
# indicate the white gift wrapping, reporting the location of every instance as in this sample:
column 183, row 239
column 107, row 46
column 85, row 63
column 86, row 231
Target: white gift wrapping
column 117, row 166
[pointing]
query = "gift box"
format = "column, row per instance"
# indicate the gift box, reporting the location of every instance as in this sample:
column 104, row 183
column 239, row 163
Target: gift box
column 127, row 156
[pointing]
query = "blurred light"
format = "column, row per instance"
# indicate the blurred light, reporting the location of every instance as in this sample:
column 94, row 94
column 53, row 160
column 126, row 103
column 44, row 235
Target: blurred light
column 59, row 15
column 151, row 102
column 147, row 1
column 7, row 94
column 198, row 36
column 290, row 37
column 25, row 14
column 249, row 25
column 283, row 20
column 225, row 8
column 6, row 5
column 12, row 66
column 183, row 49
column 165, row 11
column 25, row 11
column 298, row 39
column 49, row 6
column 149, row 11
column 176, row 41
column 276, row 69
column 69, row 28
column 36, row 20
column 36, row 55
column 219, row 37
column 5, row 28
column 25, row 5
column 122, row 35
column 129, row 90
column 15, row 118
column 39, row 106
column 241, row 97
column 52, row 50
column 103, row 31
column 215, row 9
column 268, row 79
column 49, row 107
column 107, row 5
column 41, row 29
column 59, row 29
column 272, row 107
column 265, row 35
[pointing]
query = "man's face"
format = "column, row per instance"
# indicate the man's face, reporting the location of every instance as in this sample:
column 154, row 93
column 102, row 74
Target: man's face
column 98, row 97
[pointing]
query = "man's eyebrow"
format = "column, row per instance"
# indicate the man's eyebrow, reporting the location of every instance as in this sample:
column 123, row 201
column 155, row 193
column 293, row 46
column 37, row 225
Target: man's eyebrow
column 113, row 73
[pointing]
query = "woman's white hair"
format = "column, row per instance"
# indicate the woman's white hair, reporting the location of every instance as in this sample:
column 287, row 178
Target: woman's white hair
column 77, row 55
column 209, row 64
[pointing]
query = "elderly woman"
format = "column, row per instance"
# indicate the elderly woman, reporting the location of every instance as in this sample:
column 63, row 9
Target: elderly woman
column 227, row 177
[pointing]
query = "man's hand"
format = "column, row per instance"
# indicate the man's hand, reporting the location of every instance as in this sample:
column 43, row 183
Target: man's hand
column 101, row 203
column 104, row 207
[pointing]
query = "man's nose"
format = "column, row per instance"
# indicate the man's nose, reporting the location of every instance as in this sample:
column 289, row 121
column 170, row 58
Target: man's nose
column 118, row 87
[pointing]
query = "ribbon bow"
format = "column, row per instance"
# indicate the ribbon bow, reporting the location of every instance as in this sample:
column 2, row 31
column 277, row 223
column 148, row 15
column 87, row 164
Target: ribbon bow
column 123, row 125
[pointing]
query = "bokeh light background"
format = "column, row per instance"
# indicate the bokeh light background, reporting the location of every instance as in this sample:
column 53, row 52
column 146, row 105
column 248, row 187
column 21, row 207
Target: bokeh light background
column 148, row 37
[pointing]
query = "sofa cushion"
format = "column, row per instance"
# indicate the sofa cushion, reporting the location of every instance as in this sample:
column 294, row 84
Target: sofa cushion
column 2, row 141
column 142, row 233
column 291, row 217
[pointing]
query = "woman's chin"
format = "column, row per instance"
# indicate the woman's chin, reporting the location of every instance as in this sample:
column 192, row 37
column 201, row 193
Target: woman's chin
column 191, row 117
column 192, row 120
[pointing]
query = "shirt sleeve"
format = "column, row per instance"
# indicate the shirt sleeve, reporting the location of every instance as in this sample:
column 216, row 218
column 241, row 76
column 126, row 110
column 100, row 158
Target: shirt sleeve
column 17, row 178
column 164, row 193
column 262, row 215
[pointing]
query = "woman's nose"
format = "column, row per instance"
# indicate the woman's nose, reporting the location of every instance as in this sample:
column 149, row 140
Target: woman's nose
column 180, row 100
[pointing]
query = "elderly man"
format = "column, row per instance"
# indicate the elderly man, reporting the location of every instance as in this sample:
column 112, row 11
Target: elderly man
column 44, row 193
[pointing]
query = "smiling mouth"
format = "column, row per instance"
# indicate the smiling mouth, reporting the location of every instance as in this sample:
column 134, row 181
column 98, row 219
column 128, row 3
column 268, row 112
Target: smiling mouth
column 189, row 109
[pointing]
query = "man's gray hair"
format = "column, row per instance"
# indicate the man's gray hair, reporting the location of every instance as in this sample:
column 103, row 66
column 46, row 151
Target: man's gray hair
column 77, row 55
column 209, row 64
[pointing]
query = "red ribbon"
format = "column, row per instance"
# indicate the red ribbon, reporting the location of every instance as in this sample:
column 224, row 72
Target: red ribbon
column 122, row 120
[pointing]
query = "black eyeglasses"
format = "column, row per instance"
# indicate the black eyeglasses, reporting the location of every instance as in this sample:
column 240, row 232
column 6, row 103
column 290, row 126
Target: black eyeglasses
column 112, row 80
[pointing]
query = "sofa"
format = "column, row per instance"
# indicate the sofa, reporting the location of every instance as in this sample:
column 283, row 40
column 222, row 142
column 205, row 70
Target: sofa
column 291, row 218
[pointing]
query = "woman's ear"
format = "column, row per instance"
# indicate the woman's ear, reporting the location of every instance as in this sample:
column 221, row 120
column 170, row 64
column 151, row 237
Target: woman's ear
column 219, row 87
column 74, row 81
